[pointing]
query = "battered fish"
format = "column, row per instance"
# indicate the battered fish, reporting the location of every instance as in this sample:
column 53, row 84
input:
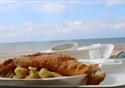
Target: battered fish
column 59, row 63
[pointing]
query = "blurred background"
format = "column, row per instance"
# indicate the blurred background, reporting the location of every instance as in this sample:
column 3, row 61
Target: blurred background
column 33, row 25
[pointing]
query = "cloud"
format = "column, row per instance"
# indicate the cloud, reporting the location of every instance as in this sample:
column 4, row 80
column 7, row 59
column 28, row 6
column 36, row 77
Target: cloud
column 9, row 6
column 52, row 7
column 29, row 5
column 118, row 24
column 7, row 1
column 101, row 2
column 114, row 2
column 49, row 29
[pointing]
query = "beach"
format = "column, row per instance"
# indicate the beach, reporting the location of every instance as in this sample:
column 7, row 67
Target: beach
column 16, row 49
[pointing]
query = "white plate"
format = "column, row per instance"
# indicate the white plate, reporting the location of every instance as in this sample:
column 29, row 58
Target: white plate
column 115, row 77
column 71, row 80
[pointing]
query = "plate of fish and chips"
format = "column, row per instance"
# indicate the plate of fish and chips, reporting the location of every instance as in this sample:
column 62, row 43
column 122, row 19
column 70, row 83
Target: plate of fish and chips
column 49, row 69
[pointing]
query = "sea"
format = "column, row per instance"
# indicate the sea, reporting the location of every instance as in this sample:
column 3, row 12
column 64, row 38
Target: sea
column 21, row 48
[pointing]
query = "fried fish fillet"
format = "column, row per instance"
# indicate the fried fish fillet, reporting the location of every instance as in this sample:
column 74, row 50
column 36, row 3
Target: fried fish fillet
column 59, row 63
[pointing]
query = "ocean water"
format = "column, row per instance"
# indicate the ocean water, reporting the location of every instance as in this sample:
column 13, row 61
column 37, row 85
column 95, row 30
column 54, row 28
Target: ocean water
column 12, row 49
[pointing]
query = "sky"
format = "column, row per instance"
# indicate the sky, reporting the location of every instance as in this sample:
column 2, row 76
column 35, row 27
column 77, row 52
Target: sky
column 45, row 20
